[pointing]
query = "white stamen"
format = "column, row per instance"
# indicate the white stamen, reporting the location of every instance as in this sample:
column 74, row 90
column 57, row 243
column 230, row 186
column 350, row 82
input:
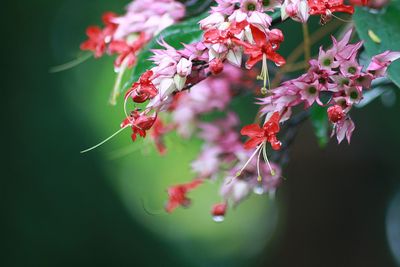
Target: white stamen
column 105, row 140
column 71, row 64
column 248, row 161
column 273, row 173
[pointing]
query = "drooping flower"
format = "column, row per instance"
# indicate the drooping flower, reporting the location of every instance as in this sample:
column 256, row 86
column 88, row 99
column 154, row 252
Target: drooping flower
column 264, row 47
column 177, row 195
column 380, row 63
column 260, row 135
column 98, row 37
column 127, row 51
column 139, row 123
column 144, row 89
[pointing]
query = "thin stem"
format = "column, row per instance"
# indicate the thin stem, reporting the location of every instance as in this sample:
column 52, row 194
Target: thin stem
column 117, row 85
column 307, row 43
column 298, row 51
column 71, row 64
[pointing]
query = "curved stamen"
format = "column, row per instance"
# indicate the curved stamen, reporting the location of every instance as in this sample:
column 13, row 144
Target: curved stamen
column 105, row 140
column 71, row 64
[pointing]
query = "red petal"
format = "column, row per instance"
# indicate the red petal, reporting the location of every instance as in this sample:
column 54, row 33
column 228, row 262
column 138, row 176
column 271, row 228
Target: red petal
column 192, row 185
column 253, row 142
column 253, row 61
column 252, row 130
column 259, row 36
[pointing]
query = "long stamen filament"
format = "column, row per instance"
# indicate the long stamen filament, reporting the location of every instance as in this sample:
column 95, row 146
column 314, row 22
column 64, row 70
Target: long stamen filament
column 71, row 64
column 248, row 161
column 105, row 140
column 259, row 177
column 265, row 75
column 339, row 18
column 266, row 159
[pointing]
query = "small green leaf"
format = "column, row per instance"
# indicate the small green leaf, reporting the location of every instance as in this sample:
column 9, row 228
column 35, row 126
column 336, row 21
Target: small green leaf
column 380, row 32
column 319, row 120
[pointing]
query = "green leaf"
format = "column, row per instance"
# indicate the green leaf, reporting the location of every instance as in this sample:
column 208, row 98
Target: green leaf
column 384, row 27
column 185, row 32
column 319, row 120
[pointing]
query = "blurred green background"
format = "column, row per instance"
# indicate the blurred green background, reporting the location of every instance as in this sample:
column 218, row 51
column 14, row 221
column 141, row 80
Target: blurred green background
column 337, row 207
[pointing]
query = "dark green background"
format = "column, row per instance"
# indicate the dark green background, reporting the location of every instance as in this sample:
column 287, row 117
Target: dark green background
column 58, row 208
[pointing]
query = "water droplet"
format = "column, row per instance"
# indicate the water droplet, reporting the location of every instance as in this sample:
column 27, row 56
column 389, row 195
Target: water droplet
column 218, row 218
column 259, row 189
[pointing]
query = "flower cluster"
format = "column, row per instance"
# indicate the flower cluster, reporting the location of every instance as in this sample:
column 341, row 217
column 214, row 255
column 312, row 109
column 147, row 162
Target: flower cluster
column 335, row 80
column 203, row 77
column 126, row 35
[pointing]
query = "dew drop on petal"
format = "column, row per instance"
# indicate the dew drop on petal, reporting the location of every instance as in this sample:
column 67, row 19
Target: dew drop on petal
column 218, row 218
column 258, row 189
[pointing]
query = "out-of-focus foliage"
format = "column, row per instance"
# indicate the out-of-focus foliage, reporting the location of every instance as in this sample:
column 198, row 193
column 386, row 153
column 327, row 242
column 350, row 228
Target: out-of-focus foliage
column 384, row 24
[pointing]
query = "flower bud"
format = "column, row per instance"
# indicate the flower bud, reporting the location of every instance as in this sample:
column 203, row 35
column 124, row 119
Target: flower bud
column 218, row 212
column 216, row 66
column 335, row 113
column 179, row 81
column 184, row 67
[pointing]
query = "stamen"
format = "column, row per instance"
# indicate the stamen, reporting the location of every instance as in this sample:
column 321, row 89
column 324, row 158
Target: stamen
column 105, row 140
column 245, row 165
column 71, row 64
column 264, row 76
column 273, row 173
column 259, row 177
column 344, row 20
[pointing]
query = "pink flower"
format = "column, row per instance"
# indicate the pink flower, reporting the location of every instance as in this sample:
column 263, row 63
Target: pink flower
column 380, row 63
column 298, row 10
column 149, row 16
column 344, row 128
column 260, row 135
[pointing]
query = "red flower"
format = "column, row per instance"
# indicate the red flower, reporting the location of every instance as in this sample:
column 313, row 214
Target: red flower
column 140, row 123
column 265, row 44
column 157, row 133
column 177, row 195
column 98, row 38
column 215, row 36
column 127, row 52
column 216, row 66
column 267, row 133
column 142, row 90
column 327, row 7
